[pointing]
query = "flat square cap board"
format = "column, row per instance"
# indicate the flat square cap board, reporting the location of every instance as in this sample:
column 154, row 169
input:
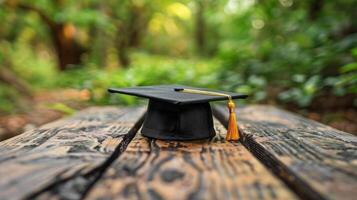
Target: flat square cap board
column 177, row 112
column 169, row 94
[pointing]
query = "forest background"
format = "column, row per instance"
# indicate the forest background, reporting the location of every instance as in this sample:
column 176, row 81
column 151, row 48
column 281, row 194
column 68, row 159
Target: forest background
column 59, row 56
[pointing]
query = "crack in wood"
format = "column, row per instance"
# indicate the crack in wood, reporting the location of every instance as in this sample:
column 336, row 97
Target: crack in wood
column 77, row 187
column 202, row 169
column 315, row 161
column 33, row 166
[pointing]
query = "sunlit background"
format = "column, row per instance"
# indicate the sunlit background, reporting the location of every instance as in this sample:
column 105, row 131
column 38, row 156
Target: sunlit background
column 59, row 56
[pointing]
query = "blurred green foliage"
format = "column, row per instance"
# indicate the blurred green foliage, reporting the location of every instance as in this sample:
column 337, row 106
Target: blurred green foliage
column 146, row 69
column 280, row 51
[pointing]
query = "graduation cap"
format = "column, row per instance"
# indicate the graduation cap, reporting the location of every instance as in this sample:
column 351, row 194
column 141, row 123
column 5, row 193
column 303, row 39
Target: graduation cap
column 178, row 112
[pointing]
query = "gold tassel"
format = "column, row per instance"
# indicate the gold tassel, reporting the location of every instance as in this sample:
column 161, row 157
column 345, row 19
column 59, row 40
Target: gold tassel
column 232, row 130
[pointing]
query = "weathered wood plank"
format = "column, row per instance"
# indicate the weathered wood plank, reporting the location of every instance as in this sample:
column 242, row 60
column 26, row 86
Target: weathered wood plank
column 316, row 161
column 215, row 169
column 57, row 151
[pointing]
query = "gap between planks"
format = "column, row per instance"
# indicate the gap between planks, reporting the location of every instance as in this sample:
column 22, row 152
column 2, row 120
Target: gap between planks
column 46, row 158
column 206, row 169
column 77, row 187
column 314, row 160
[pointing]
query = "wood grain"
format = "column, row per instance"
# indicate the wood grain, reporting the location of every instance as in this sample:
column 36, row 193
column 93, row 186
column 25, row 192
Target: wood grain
column 316, row 161
column 206, row 169
column 61, row 150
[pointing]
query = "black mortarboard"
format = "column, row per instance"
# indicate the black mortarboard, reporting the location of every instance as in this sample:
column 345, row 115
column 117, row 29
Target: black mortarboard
column 178, row 112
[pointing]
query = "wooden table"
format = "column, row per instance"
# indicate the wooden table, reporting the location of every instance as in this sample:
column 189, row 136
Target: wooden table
column 99, row 154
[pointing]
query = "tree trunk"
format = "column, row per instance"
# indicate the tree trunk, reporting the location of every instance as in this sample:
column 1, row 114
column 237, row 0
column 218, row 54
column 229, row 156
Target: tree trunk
column 130, row 32
column 122, row 41
column 315, row 8
column 136, row 25
column 200, row 28
column 67, row 49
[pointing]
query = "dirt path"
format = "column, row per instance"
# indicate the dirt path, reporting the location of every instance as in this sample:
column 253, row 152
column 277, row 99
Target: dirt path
column 47, row 106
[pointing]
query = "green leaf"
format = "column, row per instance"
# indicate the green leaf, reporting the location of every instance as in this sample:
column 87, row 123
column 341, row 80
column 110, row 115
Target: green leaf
column 61, row 107
column 349, row 68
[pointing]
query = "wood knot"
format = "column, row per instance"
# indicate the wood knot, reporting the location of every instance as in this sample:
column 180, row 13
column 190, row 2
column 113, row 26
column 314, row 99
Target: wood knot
column 171, row 175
